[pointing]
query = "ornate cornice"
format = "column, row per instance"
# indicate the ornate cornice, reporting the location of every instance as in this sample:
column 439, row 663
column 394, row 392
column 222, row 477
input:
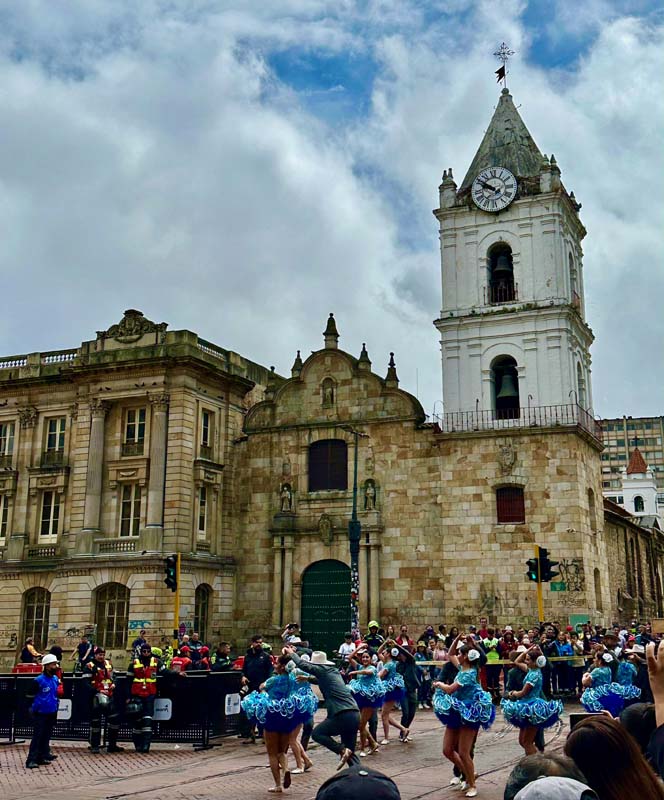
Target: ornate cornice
column 132, row 327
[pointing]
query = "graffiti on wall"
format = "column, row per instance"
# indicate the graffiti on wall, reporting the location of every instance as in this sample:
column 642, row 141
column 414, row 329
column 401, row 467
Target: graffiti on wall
column 571, row 573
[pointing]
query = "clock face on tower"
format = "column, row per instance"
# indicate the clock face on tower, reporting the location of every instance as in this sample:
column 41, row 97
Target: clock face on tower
column 494, row 189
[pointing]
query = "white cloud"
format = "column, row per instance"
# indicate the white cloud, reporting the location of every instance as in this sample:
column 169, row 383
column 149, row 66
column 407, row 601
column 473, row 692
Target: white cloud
column 149, row 158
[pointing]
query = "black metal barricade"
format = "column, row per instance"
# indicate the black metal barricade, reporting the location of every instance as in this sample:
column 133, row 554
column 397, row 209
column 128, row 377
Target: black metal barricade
column 193, row 709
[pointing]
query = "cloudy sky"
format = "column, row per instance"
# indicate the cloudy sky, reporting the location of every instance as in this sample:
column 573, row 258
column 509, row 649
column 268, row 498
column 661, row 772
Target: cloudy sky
column 241, row 169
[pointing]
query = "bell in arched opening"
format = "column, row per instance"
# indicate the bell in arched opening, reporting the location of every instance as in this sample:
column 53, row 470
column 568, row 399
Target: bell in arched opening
column 506, row 386
column 501, row 276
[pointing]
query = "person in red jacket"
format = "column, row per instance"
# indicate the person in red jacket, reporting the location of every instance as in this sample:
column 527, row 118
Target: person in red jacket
column 102, row 685
column 143, row 671
column 181, row 662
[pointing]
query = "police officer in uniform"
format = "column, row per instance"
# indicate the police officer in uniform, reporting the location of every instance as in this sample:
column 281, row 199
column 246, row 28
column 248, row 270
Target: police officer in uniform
column 102, row 685
column 143, row 671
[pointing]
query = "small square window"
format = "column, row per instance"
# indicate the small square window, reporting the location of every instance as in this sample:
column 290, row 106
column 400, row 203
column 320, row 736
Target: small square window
column 510, row 506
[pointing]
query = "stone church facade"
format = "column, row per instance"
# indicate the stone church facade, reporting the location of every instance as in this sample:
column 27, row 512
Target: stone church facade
column 145, row 442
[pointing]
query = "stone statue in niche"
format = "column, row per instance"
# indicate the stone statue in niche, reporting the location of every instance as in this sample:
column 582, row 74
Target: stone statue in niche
column 325, row 529
column 328, row 392
column 369, row 495
column 286, row 497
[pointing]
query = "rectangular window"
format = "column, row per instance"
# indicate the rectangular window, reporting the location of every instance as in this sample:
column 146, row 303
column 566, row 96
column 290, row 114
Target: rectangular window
column 202, row 512
column 50, row 516
column 4, row 517
column 134, row 432
column 6, row 438
column 206, row 428
column 510, row 506
column 130, row 510
column 135, row 425
column 55, row 435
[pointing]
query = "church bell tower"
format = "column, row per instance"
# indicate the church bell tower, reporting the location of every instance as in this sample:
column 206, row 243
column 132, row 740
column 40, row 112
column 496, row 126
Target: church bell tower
column 512, row 326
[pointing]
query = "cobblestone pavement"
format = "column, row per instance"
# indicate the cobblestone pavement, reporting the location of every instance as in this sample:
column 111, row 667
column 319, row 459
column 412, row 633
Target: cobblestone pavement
column 239, row 772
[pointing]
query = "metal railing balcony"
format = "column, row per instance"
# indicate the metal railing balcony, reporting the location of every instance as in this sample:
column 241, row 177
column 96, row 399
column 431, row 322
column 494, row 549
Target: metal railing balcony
column 499, row 293
column 565, row 415
column 53, row 458
column 132, row 448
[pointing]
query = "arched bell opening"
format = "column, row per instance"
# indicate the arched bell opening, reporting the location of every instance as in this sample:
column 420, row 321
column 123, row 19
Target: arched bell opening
column 502, row 288
column 506, row 401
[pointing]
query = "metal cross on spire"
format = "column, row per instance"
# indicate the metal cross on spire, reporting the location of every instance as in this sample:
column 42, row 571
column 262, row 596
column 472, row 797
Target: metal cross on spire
column 503, row 53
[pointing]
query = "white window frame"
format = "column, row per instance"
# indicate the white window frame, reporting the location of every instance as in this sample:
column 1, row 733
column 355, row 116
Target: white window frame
column 207, row 422
column 7, row 430
column 134, row 518
column 59, row 425
column 54, row 517
column 4, row 518
column 202, row 512
column 133, row 418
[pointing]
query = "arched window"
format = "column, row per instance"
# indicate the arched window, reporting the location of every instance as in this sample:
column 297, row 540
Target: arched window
column 598, row 589
column 510, row 506
column 328, row 465
column 112, row 615
column 506, row 402
column 581, row 386
column 202, row 602
column 639, row 505
column 592, row 511
column 573, row 282
column 36, row 610
column 502, row 288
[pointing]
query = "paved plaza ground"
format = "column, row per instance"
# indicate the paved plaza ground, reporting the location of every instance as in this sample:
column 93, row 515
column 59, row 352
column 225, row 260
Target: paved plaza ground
column 235, row 771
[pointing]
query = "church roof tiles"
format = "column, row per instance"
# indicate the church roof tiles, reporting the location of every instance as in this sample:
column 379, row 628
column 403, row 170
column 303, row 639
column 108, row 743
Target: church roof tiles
column 637, row 465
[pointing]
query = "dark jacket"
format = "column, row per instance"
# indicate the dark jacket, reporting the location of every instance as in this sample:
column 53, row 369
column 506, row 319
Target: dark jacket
column 222, row 664
column 515, row 679
column 257, row 667
column 338, row 697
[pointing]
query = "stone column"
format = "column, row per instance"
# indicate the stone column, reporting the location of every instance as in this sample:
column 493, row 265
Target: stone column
column 364, row 585
column 94, row 476
column 374, row 583
column 21, row 524
column 276, row 583
column 152, row 535
column 288, row 583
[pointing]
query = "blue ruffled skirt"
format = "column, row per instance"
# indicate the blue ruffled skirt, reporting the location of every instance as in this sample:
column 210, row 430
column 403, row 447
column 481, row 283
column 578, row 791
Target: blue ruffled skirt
column 609, row 697
column 537, row 713
column 395, row 689
column 477, row 712
column 281, row 715
column 367, row 695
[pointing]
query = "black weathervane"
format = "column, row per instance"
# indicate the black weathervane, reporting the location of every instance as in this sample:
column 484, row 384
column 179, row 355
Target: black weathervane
column 503, row 53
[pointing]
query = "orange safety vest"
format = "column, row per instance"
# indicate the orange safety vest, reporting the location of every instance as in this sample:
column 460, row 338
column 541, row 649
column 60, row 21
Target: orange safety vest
column 145, row 682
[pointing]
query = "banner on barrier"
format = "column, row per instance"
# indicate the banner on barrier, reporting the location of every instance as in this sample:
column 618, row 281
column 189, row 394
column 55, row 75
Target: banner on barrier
column 232, row 704
column 163, row 709
column 64, row 710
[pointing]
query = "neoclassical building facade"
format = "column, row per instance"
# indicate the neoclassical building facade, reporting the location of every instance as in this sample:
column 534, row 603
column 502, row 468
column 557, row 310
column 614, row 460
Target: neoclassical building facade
column 115, row 454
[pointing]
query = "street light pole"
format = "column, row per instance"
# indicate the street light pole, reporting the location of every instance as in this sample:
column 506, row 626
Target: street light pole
column 354, row 535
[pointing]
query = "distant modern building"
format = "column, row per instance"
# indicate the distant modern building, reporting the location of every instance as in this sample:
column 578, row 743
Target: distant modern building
column 621, row 435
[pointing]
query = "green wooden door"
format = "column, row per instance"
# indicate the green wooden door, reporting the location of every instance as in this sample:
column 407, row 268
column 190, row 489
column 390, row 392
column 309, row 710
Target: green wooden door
column 325, row 604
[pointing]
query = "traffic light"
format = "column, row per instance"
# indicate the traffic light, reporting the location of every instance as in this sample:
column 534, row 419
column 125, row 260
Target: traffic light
column 532, row 569
column 171, row 570
column 547, row 571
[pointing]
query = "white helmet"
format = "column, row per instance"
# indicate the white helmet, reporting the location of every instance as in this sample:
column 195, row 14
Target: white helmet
column 49, row 658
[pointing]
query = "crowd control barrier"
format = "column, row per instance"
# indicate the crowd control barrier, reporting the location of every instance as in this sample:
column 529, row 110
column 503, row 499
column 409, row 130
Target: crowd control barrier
column 195, row 709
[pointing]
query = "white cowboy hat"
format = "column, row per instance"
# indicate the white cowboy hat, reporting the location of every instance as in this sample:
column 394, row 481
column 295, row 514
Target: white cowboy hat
column 320, row 657
column 639, row 649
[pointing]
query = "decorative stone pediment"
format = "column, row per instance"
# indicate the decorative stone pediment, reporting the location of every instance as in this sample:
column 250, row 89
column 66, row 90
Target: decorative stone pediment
column 133, row 329
column 8, row 480
column 47, row 479
column 128, row 470
column 208, row 474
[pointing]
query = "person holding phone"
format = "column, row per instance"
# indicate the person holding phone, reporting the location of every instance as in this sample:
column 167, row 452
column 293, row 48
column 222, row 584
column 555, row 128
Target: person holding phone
column 528, row 709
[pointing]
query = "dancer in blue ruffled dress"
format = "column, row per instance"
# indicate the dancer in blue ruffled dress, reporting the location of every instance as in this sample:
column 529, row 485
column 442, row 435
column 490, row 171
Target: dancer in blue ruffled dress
column 307, row 706
column 395, row 689
column 280, row 708
column 368, row 692
column 463, row 706
column 603, row 692
column 528, row 709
